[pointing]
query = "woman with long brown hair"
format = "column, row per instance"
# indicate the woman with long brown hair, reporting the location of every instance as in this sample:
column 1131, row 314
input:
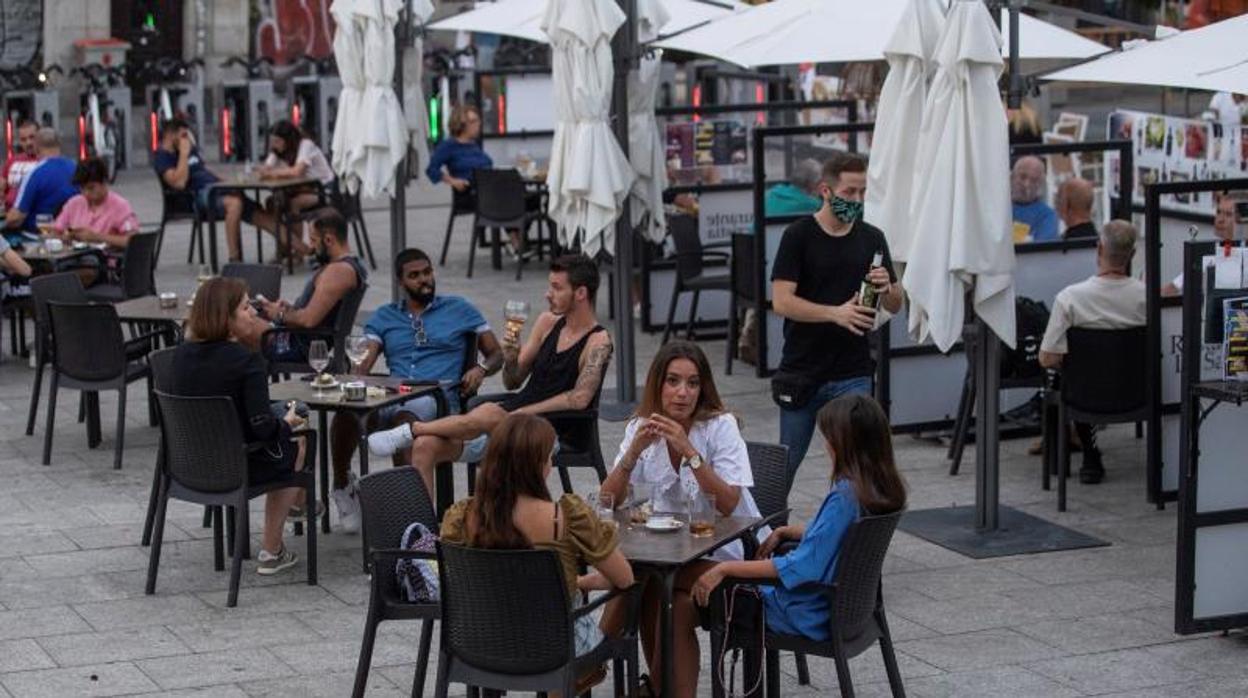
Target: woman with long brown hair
column 512, row 509
column 682, row 443
column 865, row 482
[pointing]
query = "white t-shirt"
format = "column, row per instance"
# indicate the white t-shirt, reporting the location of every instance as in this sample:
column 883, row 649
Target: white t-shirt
column 310, row 155
column 1098, row 303
column 1229, row 112
column 723, row 450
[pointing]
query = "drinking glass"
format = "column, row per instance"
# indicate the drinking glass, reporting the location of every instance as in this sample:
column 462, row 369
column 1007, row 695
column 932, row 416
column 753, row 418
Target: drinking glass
column 702, row 515
column 515, row 314
column 639, row 506
column 205, row 273
column 318, row 359
column 604, row 505
column 357, row 349
column 43, row 222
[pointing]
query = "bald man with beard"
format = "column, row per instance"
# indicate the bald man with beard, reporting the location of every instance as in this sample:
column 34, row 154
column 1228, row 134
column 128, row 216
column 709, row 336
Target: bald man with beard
column 1074, row 207
column 1035, row 219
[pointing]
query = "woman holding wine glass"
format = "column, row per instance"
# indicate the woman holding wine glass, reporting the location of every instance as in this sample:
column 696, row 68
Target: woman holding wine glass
column 686, row 448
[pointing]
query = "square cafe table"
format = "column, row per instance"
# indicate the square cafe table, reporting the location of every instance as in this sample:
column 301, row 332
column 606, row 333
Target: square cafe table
column 278, row 187
column 35, row 253
column 334, row 400
column 147, row 309
column 662, row 555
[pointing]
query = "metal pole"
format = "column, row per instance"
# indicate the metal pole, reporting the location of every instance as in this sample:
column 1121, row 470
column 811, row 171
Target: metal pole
column 987, row 447
column 398, row 202
column 624, row 47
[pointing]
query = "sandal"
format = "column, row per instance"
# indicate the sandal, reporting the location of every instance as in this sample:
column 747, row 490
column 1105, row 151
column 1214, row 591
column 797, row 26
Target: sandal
column 590, row 679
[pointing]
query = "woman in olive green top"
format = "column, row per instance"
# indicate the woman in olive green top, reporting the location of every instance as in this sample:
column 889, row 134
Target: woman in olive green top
column 512, row 509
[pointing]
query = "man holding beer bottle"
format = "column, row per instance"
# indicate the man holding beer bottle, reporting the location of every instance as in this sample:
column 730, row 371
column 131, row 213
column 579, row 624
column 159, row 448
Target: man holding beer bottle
column 825, row 266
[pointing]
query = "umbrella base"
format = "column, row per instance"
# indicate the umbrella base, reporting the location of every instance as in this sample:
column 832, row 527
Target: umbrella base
column 1019, row 533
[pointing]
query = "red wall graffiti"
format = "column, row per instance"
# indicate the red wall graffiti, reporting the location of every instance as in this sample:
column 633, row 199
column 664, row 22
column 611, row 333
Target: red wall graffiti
column 288, row 30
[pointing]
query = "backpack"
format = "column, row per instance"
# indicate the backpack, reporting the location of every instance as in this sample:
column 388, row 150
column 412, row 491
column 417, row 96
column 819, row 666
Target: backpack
column 1023, row 361
column 418, row 578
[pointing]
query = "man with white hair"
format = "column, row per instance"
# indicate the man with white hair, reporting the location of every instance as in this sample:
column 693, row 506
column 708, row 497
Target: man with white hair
column 799, row 195
column 1034, row 220
column 1108, row 300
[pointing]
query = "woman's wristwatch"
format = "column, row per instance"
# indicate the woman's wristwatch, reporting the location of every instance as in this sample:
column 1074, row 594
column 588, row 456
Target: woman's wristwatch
column 694, row 462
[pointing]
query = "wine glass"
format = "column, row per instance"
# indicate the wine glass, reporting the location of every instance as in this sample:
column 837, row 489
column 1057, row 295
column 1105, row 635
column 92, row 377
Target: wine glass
column 318, row 359
column 43, row 222
column 357, row 349
column 204, row 274
column 515, row 314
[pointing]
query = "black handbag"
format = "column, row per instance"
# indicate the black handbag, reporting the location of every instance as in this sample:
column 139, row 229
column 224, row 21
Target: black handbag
column 791, row 390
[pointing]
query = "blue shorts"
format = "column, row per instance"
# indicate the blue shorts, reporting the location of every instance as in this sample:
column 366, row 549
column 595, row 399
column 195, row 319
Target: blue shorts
column 215, row 209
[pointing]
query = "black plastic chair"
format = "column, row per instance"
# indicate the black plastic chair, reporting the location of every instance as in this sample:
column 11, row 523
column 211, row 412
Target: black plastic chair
column 335, row 336
column 352, row 210
column 769, row 464
column 1104, row 380
column 507, row 624
column 179, row 205
column 742, row 290
column 462, row 204
column 691, row 273
column 390, row 501
column 205, row 462
column 64, row 287
column 90, row 354
column 138, row 277
column 501, row 205
column 160, row 363
column 262, row 279
column 856, row 604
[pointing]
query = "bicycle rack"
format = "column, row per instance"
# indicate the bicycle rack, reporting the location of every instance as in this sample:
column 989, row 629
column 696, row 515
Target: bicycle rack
column 314, row 106
column 187, row 101
column 247, row 110
column 119, row 112
column 41, row 106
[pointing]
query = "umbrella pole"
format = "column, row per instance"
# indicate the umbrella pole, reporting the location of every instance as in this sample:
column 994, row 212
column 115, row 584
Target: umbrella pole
column 398, row 202
column 987, row 427
column 624, row 49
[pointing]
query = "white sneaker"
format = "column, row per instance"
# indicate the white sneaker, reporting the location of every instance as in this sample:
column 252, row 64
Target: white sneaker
column 390, row 441
column 348, row 504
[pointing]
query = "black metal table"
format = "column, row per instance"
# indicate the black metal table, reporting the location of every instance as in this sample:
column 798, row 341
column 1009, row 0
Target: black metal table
column 278, row 187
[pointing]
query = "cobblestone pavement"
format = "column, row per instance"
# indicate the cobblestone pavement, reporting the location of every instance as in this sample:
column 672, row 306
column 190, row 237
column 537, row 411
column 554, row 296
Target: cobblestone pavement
column 74, row 619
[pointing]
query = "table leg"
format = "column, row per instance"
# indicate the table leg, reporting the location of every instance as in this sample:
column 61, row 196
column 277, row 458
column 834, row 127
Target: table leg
column 667, row 635
column 496, row 249
column 444, row 483
column 322, row 446
column 212, row 242
column 363, row 422
column 93, row 419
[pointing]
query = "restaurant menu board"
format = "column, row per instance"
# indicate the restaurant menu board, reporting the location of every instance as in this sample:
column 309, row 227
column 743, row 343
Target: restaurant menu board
column 708, row 152
column 1171, row 149
column 1235, row 339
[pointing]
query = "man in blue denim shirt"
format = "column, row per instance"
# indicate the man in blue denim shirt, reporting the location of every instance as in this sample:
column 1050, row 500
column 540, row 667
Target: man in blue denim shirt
column 424, row 337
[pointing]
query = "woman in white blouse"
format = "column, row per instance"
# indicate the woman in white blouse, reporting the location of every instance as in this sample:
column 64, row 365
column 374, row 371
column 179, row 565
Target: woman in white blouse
column 682, row 442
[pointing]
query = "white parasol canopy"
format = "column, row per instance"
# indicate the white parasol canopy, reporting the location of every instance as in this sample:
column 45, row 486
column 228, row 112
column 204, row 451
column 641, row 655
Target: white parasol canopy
column 370, row 137
column 589, row 175
column 962, row 193
column 523, row 18
column 413, row 91
column 1209, row 58
column 646, row 148
column 788, row 32
column 890, row 175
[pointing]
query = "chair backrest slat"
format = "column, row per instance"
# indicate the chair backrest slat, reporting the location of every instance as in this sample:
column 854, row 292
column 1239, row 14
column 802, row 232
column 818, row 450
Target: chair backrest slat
column 87, row 340
column 262, row 279
column 64, row 287
column 500, row 194
column 684, row 232
column 505, row 611
column 138, row 274
column 860, row 562
column 1105, row 371
column 204, row 446
column 769, row 464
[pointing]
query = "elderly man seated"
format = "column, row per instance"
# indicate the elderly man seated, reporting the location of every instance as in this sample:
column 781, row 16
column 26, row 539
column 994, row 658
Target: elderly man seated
column 1034, row 220
column 1108, row 300
column 798, row 195
column 1074, row 207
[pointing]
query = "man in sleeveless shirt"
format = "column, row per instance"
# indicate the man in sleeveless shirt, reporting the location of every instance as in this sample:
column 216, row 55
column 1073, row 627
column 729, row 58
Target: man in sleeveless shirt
column 561, row 366
column 317, row 307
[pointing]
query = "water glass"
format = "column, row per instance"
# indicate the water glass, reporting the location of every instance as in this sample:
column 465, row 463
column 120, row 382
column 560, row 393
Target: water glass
column 702, row 515
column 639, row 505
column 357, row 349
column 604, row 506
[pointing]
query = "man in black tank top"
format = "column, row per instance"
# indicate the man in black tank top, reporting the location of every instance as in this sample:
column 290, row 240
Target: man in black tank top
column 317, row 306
column 560, row 367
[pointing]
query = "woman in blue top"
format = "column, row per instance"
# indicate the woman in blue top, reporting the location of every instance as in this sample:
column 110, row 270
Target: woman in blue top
column 864, row 481
column 456, row 157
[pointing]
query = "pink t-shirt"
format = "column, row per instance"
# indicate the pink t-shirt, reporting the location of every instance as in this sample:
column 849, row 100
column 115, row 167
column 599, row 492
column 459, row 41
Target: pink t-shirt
column 114, row 215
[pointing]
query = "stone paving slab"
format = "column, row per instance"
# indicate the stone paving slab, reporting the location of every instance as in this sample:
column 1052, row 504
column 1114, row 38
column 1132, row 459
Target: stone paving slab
column 1086, row 622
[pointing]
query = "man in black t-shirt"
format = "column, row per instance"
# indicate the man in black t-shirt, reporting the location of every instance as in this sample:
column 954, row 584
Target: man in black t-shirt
column 819, row 268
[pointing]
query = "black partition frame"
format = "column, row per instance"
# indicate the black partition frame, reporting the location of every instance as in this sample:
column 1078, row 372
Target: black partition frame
column 649, row 260
column 1153, row 214
column 504, row 72
column 1121, row 206
column 761, row 220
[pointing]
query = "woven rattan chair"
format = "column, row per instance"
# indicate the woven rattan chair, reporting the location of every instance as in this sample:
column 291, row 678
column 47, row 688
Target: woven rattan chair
column 137, row 272
column 161, row 365
column 390, row 501
column 507, row 624
column 262, row 279
column 64, row 287
column 691, row 273
column 90, row 354
column 335, row 337
column 856, row 604
column 205, row 462
column 179, row 205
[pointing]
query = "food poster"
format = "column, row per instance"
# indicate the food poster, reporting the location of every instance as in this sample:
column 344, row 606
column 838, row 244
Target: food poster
column 708, row 152
column 1172, row 149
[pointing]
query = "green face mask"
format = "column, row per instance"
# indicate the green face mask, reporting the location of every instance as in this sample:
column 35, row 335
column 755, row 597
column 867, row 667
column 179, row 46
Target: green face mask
column 845, row 210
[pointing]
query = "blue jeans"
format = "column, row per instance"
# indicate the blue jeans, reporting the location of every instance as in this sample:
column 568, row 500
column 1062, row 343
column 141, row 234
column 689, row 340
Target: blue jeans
column 798, row 425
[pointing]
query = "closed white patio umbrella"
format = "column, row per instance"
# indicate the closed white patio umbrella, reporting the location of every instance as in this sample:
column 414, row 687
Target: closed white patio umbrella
column 589, row 175
column 370, row 120
column 890, row 175
column 962, row 194
column 523, row 18
column 413, row 93
column 646, row 148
